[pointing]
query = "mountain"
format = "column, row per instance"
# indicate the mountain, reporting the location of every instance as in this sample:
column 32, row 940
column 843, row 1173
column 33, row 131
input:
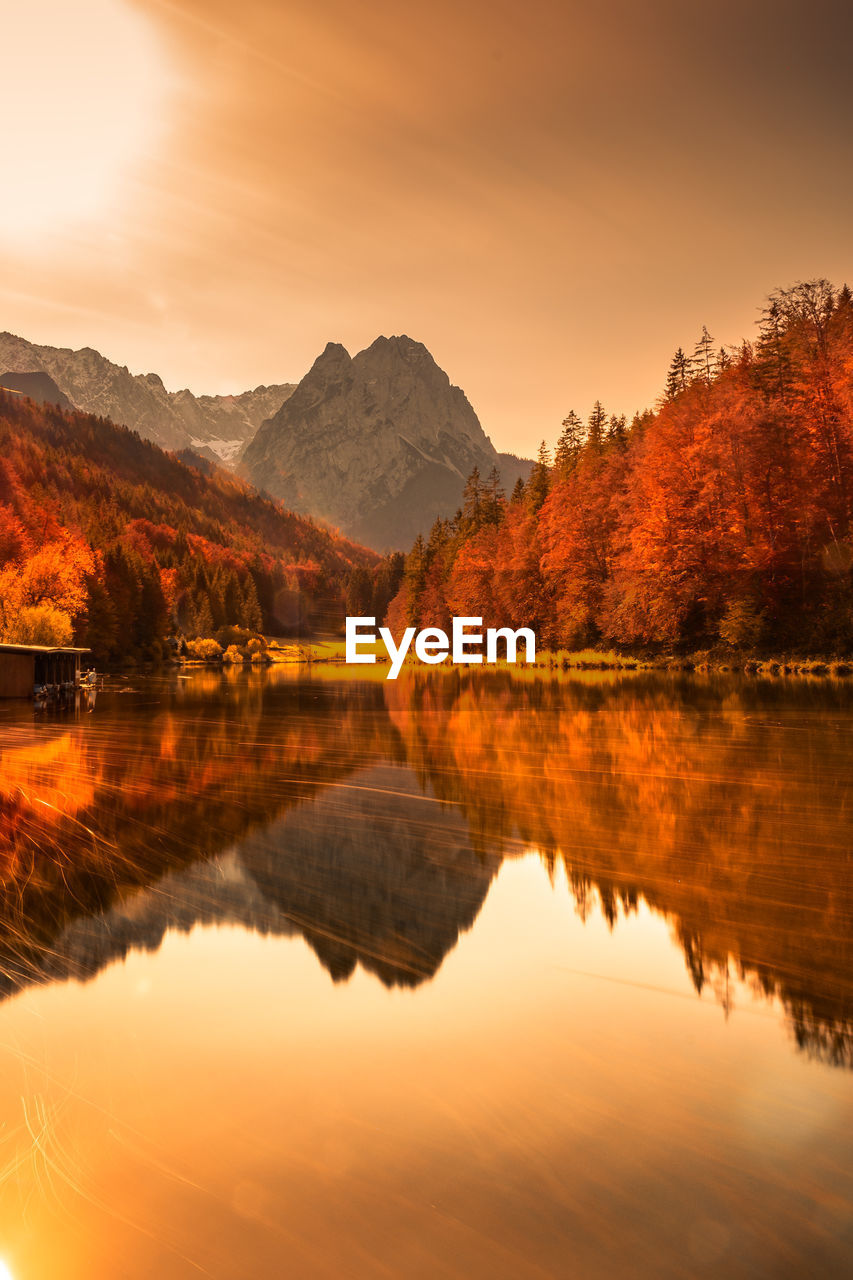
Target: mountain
column 378, row 444
column 216, row 426
column 38, row 386
column 221, row 426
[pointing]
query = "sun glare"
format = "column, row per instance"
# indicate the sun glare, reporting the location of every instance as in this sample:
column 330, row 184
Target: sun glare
column 83, row 94
column 5, row 1273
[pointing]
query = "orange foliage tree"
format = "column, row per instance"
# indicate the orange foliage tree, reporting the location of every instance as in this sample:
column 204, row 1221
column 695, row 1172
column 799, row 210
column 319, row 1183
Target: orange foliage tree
column 43, row 591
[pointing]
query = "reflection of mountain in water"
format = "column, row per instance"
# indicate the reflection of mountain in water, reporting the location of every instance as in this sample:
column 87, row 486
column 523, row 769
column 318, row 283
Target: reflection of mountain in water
column 213, row 892
column 373, row 872
column 289, row 809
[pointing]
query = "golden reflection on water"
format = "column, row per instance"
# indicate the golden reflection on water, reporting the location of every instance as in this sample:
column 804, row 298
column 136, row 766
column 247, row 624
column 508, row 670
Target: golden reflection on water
column 447, row 977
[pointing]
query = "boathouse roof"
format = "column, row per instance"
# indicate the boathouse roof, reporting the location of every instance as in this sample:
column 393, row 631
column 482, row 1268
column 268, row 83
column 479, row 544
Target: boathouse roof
column 41, row 648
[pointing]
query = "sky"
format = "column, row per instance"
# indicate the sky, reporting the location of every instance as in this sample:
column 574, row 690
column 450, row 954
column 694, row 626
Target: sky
column 552, row 196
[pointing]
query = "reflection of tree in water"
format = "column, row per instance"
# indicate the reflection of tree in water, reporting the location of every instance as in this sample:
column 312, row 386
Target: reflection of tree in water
column 725, row 806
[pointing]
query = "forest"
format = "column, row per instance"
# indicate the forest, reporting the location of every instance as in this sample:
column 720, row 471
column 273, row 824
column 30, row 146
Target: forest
column 109, row 542
column 720, row 519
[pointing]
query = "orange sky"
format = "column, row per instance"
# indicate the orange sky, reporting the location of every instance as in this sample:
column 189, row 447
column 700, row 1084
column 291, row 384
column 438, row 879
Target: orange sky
column 551, row 195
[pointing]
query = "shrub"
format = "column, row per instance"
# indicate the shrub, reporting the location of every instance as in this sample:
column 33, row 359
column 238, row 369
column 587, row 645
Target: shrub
column 207, row 650
column 231, row 636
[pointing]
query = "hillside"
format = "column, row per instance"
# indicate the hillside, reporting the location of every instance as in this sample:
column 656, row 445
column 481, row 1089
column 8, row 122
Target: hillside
column 105, row 532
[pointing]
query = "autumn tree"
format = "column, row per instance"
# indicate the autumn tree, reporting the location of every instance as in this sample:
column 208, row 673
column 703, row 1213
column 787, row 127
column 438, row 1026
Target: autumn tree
column 44, row 592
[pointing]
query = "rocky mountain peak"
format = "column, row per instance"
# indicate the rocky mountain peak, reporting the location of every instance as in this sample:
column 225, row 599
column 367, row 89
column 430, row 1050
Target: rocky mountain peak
column 333, row 352
column 401, row 357
column 333, row 363
column 401, row 345
column 377, row 444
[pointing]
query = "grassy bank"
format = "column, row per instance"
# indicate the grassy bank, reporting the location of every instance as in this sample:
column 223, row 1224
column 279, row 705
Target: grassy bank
column 705, row 661
column 557, row 660
column 324, row 651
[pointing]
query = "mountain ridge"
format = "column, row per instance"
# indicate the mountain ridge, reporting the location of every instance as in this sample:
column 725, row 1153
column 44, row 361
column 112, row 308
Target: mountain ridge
column 377, row 444
column 217, row 427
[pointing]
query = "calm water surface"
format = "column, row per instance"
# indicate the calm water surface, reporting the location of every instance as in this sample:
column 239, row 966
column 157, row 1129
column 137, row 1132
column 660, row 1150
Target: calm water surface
column 446, row 978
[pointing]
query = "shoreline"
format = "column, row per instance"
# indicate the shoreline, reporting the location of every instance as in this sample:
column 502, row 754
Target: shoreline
column 562, row 661
column 703, row 662
column 325, row 652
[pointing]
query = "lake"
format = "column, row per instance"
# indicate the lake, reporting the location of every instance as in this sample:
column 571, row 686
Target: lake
column 456, row 976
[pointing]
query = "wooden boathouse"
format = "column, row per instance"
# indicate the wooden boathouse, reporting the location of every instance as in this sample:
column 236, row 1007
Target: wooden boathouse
column 23, row 666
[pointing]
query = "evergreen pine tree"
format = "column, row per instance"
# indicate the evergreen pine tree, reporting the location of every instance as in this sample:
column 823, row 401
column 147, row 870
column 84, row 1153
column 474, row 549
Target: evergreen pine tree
column 773, row 364
column 416, row 567
column 596, row 427
column 679, row 374
column 569, row 444
column 203, row 618
column 359, row 594
column 617, row 431
column 494, row 498
column 251, row 618
column 437, row 541
column 232, row 598
column 472, row 500
column 705, row 358
column 540, row 478
column 386, row 583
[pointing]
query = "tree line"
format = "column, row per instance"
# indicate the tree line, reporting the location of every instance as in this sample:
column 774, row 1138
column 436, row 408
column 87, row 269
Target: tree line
column 723, row 516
